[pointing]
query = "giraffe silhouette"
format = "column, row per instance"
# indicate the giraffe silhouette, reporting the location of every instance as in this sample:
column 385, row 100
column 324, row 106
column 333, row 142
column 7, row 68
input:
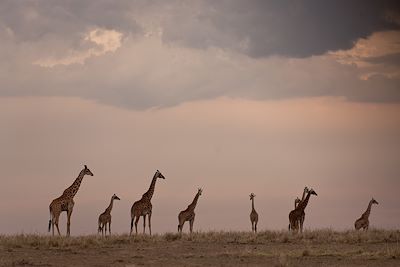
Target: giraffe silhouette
column 66, row 202
column 296, row 214
column 253, row 215
column 303, row 215
column 143, row 206
column 105, row 217
column 363, row 221
column 188, row 214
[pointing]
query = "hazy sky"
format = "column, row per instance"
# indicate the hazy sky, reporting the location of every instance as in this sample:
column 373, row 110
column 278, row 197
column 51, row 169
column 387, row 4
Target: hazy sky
column 231, row 96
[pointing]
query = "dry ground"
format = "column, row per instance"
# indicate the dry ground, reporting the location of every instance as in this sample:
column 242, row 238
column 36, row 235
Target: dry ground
column 268, row 248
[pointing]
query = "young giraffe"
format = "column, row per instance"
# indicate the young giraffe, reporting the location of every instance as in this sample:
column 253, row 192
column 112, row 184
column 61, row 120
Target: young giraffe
column 296, row 214
column 253, row 214
column 363, row 221
column 188, row 214
column 143, row 206
column 105, row 217
column 66, row 202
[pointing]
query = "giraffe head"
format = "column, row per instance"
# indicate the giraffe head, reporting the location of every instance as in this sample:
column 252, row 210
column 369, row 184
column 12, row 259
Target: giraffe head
column 312, row 192
column 115, row 197
column 159, row 175
column 87, row 171
column 297, row 200
column 252, row 196
column 374, row 201
column 306, row 189
column 200, row 191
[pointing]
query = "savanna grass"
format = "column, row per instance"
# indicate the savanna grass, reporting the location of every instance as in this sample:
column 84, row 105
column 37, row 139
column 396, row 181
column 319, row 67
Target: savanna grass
column 308, row 237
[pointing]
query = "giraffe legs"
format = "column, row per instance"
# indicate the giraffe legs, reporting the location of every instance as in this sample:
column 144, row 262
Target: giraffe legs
column 52, row 225
column 69, row 213
column 180, row 227
column 136, row 222
column 55, row 222
column 109, row 228
column 191, row 222
column 302, row 219
column 144, row 223
column 252, row 226
column 255, row 227
column 132, row 219
column 101, row 229
column 150, row 222
column 366, row 226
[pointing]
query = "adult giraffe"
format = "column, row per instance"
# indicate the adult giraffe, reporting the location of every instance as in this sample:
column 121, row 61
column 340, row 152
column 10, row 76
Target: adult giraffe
column 143, row 206
column 66, row 202
column 296, row 214
column 253, row 215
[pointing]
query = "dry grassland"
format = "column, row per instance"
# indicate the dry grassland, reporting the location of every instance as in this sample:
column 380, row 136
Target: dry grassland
column 267, row 248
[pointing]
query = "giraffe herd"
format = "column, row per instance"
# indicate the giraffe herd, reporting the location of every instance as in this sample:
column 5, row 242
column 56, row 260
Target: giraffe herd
column 143, row 207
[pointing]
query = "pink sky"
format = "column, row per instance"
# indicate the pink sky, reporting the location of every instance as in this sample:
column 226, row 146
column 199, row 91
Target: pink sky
column 347, row 152
column 232, row 96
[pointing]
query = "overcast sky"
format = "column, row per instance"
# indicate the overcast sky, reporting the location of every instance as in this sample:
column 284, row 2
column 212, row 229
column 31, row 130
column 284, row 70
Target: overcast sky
column 231, row 96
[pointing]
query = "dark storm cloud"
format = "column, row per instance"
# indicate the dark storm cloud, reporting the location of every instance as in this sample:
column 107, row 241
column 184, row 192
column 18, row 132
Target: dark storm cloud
column 255, row 27
column 287, row 28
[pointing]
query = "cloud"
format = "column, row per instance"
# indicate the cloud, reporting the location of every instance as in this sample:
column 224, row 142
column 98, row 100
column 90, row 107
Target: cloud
column 376, row 55
column 105, row 41
column 285, row 28
column 142, row 54
column 145, row 73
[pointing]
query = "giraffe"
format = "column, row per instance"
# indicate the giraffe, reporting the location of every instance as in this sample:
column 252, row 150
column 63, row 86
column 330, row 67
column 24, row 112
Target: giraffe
column 66, row 202
column 303, row 215
column 296, row 214
column 253, row 215
column 105, row 217
column 363, row 221
column 143, row 206
column 296, row 202
column 188, row 214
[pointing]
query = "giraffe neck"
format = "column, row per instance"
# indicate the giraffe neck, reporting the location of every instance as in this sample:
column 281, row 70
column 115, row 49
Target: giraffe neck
column 149, row 194
column 368, row 211
column 73, row 189
column 303, row 204
column 304, row 194
column 252, row 204
column 109, row 208
column 194, row 202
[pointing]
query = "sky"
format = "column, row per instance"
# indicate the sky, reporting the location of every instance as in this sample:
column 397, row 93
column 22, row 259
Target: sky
column 235, row 97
